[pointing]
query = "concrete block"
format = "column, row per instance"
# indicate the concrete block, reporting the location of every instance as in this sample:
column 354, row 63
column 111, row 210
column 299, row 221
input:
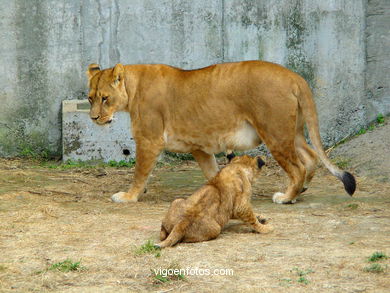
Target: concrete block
column 84, row 140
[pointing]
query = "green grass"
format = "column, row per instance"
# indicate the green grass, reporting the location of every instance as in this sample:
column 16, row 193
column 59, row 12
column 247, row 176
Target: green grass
column 352, row 206
column 122, row 163
column 69, row 164
column 380, row 119
column 302, row 275
column 303, row 280
column 341, row 162
column 375, row 268
column 64, row 266
column 161, row 279
column 377, row 256
column 148, row 248
column 162, row 276
column 41, row 154
column 285, row 282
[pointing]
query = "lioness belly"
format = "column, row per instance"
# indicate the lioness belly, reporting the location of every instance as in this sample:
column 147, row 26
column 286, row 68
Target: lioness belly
column 242, row 137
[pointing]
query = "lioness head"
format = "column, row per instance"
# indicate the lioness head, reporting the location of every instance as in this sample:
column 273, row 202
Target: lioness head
column 107, row 93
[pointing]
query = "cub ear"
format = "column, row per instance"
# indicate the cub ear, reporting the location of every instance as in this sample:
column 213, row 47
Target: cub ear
column 92, row 70
column 260, row 162
column 117, row 74
column 230, row 156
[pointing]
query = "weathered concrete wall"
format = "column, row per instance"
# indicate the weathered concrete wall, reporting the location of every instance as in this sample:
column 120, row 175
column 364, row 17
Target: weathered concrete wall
column 46, row 45
column 378, row 58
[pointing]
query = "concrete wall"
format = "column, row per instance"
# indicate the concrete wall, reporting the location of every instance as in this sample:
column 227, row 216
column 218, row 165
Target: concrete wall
column 378, row 58
column 46, row 45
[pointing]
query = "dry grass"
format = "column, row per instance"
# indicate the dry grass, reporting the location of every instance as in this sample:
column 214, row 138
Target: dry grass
column 50, row 215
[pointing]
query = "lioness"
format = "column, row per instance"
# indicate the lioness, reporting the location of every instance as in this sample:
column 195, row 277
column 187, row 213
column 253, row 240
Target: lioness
column 225, row 106
column 202, row 216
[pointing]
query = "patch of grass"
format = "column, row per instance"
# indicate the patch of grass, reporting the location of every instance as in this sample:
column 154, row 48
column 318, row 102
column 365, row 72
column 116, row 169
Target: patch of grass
column 352, row 206
column 303, row 280
column 164, row 275
column 361, row 131
column 285, row 281
column 377, row 256
column 30, row 153
column 302, row 275
column 148, row 248
column 375, row 268
column 122, row 163
column 2, row 268
column 341, row 162
column 380, row 119
column 69, row 164
column 66, row 266
column 159, row 278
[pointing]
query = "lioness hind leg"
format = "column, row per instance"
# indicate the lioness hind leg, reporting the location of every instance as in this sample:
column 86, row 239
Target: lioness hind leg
column 284, row 152
column 308, row 157
column 296, row 172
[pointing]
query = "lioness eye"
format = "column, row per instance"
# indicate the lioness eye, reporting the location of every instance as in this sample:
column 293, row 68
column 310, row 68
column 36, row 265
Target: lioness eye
column 90, row 100
column 104, row 99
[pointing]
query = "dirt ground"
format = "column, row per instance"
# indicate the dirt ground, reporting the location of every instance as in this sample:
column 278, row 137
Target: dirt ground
column 320, row 244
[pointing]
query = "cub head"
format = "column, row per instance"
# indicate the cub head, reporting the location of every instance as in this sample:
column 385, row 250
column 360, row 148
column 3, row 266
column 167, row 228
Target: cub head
column 107, row 93
column 255, row 163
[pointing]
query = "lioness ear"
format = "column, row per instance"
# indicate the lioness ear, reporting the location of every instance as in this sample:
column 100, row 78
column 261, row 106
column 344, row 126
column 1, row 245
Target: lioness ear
column 92, row 70
column 117, row 74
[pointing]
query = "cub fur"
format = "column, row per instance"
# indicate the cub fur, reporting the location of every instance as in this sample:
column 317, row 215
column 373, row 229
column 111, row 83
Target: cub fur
column 202, row 216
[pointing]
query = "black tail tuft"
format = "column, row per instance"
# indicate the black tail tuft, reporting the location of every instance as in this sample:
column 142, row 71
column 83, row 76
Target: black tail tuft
column 349, row 182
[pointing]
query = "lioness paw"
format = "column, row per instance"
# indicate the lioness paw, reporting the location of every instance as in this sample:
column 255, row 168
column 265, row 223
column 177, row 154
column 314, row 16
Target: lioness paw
column 123, row 197
column 280, row 197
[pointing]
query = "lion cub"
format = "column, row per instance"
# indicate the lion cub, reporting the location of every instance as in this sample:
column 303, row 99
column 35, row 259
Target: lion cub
column 202, row 216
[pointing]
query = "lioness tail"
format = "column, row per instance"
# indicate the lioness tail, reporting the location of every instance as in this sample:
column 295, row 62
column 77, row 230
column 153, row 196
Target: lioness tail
column 306, row 102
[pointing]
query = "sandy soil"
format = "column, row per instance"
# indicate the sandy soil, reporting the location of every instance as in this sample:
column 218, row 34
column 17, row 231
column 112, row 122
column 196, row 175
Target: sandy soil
column 320, row 244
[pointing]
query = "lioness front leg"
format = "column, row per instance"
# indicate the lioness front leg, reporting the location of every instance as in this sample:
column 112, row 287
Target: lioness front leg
column 207, row 163
column 146, row 157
